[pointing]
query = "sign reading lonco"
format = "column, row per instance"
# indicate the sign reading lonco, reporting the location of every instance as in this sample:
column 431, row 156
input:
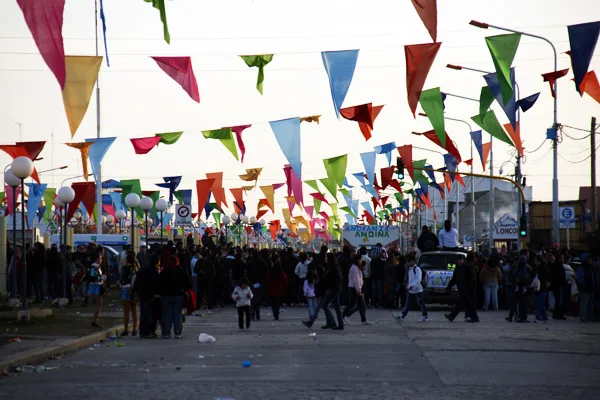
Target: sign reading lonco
column 370, row 235
column 506, row 228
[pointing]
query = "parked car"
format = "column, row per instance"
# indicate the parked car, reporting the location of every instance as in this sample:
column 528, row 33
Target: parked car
column 439, row 266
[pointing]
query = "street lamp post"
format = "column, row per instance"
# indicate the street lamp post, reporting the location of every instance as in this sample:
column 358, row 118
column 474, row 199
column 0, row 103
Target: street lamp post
column 234, row 221
column 120, row 215
column 65, row 196
column 109, row 221
column 555, row 208
column 161, row 206
column 226, row 221
column 11, row 180
column 22, row 168
column 132, row 200
column 147, row 203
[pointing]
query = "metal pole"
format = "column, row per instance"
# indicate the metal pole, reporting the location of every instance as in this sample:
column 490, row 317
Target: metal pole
column 99, row 172
column 161, row 228
column 458, row 210
column 64, row 250
column 568, row 244
column 133, row 228
column 146, row 226
column 593, row 174
column 491, row 199
column 23, row 255
column 434, row 215
column 473, row 203
column 14, row 235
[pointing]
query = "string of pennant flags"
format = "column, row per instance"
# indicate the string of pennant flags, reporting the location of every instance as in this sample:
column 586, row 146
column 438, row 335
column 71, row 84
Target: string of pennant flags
column 77, row 76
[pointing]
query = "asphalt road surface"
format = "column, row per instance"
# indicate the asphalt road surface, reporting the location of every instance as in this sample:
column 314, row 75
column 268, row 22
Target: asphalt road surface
column 387, row 360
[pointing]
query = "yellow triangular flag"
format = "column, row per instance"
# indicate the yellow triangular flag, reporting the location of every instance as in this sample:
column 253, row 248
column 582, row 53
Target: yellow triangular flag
column 82, row 74
column 270, row 195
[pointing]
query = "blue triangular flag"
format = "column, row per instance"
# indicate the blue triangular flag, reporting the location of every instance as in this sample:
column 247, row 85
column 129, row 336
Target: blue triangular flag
column 117, row 200
column 360, row 176
column 36, row 193
column 386, row 149
column 367, row 206
column 208, row 207
column 528, row 102
column 287, row 133
column 340, row 67
column 478, row 142
column 583, row 39
column 431, row 176
column 451, row 163
column 346, row 183
column 103, row 18
column 171, row 183
column 406, row 205
column 355, row 205
column 97, row 151
column 40, row 213
column 371, row 190
column 510, row 108
column 368, row 160
column 350, row 219
column 186, row 196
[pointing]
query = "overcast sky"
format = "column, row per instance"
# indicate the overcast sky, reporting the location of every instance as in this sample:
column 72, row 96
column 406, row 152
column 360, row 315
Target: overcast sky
column 139, row 99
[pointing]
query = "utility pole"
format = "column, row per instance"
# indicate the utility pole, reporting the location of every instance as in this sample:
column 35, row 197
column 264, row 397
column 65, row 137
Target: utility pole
column 593, row 157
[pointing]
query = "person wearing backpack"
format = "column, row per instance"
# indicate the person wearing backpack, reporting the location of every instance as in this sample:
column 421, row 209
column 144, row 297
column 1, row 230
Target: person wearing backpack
column 523, row 277
column 415, row 289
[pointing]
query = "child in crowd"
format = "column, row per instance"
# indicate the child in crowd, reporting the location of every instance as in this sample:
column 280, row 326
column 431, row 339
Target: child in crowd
column 242, row 295
column 309, row 293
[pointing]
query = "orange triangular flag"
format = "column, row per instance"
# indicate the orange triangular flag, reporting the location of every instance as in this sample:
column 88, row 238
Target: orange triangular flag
column 515, row 135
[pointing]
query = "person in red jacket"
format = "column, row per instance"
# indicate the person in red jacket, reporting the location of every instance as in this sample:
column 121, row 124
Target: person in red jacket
column 276, row 285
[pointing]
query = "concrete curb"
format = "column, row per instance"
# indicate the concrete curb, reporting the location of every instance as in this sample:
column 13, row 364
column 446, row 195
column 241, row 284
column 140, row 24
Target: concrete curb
column 37, row 356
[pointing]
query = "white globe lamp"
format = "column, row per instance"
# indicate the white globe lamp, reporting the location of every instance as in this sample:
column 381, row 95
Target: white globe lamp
column 120, row 214
column 253, row 220
column 146, row 203
column 22, row 167
column 132, row 200
column 66, row 194
column 10, row 179
column 161, row 205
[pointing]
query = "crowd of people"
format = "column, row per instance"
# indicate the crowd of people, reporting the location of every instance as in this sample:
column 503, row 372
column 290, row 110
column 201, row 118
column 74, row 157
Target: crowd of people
column 166, row 282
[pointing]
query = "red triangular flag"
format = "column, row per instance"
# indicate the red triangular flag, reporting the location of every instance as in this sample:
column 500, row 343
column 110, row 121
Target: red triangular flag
column 260, row 213
column 203, row 187
column 19, row 151
column 515, row 135
column 238, row 197
column 406, row 156
column 375, row 202
column 144, row 145
column 396, row 185
column 590, row 86
column 364, row 114
column 217, row 188
column 180, row 69
column 469, row 162
column 45, row 21
column 85, row 192
column 33, row 148
column 238, row 130
column 450, row 147
column 551, row 77
column 387, row 174
column 485, row 153
column 384, row 200
column 459, row 179
column 427, row 10
column 419, row 58
column 319, row 196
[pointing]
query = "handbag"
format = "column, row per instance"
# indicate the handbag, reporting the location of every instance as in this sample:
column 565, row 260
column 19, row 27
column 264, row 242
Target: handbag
column 535, row 284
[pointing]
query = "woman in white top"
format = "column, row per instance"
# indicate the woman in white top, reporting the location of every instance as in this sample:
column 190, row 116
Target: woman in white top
column 448, row 237
column 300, row 271
column 355, row 284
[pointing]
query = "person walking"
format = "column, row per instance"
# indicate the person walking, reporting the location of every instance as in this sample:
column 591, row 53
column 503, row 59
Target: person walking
column 415, row 289
column 276, row 285
column 448, row 237
column 463, row 279
column 541, row 274
column 332, row 283
column 585, row 285
column 242, row 295
column 557, row 283
column 523, row 278
column 173, row 283
column 128, row 296
column 96, row 287
column 146, row 288
column 490, row 276
column 355, row 284
column 309, row 293
column 301, row 270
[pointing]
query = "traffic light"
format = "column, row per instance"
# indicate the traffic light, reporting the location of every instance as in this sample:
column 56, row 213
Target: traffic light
column 523, row 226
column 400, row 167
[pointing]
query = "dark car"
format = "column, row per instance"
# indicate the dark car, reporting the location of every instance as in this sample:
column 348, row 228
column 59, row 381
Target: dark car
column 439, row 266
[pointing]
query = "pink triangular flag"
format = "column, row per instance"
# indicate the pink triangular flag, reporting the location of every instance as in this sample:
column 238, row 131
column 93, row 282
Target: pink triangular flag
column 144, row 145
column 309, row 210
column 180, row 69
column 238, row 136
column 44, row 19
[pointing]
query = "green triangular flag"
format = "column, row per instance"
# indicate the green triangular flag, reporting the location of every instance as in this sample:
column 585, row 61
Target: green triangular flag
column 433, row 105
column 225, row 136
column 347, row 210
column 399, row 197
column 179, row 196
column 169, row 137
column 154, row 196
column 489, row 123
column 330, row 186
column 313, row 184
column 2, row 196
column 217, row 217
column 345, row 192
column 334, row 210
column 132, row 186
column 503, row 49
column 259, row 61
column 336, row 169
column 160, row 5
column 49, row 196
column 317, row 204
column 419, row 176
column 381, row 214
column 486, row 98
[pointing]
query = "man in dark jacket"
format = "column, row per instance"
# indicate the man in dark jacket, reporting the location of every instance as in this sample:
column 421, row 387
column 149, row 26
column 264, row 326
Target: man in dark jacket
column 427, row 241
column 146, row 286
column 585, row 286
column 333, row 284
column 463, row 278
column 558, row 281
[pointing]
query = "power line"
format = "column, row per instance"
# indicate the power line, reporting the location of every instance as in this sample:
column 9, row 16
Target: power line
column 580, row 161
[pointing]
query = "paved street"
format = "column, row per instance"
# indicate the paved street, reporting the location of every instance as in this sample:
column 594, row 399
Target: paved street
column 492, row 359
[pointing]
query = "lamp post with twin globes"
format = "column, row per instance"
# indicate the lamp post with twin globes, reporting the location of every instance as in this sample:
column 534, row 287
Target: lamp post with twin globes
column 22, row 168
column 65, row 195
column 161, row 206
column 120, row 215
column 132, row 200
column 11, row 180
column 147, row 203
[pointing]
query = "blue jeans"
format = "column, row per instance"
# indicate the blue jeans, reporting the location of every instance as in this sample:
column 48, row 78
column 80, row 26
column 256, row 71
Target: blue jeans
column 328, row 298
column 377, row 292
column 357, row 303
column 419, row 298
column 540, row 306
column 172, row 306
column 311, row 305
column 490, row 290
